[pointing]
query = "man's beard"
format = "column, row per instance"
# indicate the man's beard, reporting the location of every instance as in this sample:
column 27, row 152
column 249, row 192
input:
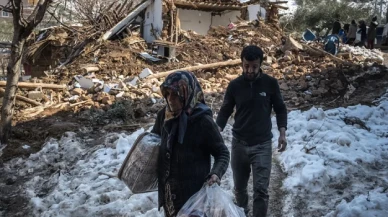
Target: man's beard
column 250, row 76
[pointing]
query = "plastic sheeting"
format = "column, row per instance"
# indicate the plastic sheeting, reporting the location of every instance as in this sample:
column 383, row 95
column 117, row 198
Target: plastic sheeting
column 210, row 201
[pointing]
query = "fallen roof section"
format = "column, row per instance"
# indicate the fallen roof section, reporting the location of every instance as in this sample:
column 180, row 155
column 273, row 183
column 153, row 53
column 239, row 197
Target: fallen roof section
column 127, row 20
column 209, row 5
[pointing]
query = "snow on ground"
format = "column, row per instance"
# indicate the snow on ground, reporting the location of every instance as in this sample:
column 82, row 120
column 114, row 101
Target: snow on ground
column 334, row 169
column 79, row 186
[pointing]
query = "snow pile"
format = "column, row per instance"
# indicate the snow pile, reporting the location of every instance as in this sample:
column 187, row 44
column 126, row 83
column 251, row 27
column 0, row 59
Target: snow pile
column 80, row 185
column 337, row 157
column 372, row 204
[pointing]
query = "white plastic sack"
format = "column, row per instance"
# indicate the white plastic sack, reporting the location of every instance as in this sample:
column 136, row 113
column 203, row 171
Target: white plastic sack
column 210, row 201
column 139, row 169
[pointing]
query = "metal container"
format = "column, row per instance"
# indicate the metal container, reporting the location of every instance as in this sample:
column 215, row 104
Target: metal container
column 139, row 169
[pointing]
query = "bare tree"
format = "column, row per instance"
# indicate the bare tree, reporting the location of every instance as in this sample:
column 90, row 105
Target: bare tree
column 23, row 28
column 91, row 9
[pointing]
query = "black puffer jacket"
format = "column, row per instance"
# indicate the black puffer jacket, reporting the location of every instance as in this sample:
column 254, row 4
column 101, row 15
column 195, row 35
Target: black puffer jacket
column 189, row 165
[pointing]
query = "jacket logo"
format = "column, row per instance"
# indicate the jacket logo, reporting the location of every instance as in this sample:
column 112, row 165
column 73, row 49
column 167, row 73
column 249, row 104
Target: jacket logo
column 263, row 94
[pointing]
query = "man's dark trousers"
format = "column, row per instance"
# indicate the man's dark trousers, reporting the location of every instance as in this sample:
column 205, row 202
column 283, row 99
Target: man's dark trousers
column 259, row 158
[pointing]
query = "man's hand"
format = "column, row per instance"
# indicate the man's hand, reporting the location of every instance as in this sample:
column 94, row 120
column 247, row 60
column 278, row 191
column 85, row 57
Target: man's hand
column 282, row 142
column 213, row 179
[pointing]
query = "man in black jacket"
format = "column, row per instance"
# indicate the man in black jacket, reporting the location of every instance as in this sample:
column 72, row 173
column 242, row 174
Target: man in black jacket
column 189, row 137
column 336, row 26
column 253, row 94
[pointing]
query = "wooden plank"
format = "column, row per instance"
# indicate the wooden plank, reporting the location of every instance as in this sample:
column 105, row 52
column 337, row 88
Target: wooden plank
column 24, row 99
column 278, row 2
column 35, row 85
column 194, row 68
column 281, row 7
column 172, row 22
column 177, row 26
column 165, row 43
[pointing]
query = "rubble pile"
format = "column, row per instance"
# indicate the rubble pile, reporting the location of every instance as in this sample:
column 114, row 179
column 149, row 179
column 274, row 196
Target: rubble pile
column 223, row 43
column 96, row 73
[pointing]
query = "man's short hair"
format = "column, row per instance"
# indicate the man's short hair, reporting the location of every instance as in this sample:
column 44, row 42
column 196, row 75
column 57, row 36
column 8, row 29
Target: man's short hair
column 251, row 53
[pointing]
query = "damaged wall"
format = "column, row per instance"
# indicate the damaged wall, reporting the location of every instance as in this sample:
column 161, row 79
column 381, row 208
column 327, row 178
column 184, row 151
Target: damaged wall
column 225, row 18
column 198, row 21
column 153, row 15
column 253, row 10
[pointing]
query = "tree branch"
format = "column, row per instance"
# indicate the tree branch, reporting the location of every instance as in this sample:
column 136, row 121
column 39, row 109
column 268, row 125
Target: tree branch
column 37, row 15
column 64, row 25
column 16, row 12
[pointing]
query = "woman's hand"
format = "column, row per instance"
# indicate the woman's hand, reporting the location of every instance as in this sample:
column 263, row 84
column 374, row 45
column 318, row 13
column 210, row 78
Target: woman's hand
column 213, row 179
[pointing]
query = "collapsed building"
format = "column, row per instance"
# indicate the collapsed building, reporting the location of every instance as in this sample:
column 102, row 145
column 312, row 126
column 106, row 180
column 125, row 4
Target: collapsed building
column 126, row 53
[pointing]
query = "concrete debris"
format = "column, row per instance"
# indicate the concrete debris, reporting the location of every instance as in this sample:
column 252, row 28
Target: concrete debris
column 145, row 73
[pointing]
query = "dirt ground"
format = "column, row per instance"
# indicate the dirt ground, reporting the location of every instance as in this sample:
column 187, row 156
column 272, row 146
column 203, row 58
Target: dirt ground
column 276, row 193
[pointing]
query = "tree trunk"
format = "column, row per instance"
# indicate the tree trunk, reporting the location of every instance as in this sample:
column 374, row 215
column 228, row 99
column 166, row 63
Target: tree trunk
column 22, row 30
column 13, row 75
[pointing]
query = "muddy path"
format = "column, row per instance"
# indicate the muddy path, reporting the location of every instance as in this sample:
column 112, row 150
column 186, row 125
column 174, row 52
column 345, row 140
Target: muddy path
column 276, row 193
column 12, row 197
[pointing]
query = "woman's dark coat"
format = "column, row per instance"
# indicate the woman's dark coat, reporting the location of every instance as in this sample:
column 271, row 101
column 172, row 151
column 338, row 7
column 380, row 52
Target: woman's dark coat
column 189, row 165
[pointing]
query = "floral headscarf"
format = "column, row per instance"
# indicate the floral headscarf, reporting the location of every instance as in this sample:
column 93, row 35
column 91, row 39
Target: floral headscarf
column 187, row 87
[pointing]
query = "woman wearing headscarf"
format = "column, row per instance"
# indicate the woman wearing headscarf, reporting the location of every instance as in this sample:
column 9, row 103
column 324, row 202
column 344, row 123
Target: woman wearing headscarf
column 352, row 33
column 189, row 137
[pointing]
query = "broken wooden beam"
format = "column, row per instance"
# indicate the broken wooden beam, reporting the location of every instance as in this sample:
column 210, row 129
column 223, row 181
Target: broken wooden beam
column 292, row 44
column 208, row 6
column 278, row 2
column 123, row 23
column 24, row 99
column 88, row 69
column 281, row 7
column 194, row 68
column 331, row 56
column 35, row 85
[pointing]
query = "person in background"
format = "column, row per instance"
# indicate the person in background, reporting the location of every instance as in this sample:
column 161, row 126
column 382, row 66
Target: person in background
column 362, row 31
column 342, row 36
column 336, row 26
column 346, row 28
column 372, row 32
column 254, row 95
column 385, row 35
column 352, row 33
column 189, row 137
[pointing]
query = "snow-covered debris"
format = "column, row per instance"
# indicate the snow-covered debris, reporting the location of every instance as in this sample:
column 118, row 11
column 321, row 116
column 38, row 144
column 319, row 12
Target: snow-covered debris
column 370, row 204
column 336, row 157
